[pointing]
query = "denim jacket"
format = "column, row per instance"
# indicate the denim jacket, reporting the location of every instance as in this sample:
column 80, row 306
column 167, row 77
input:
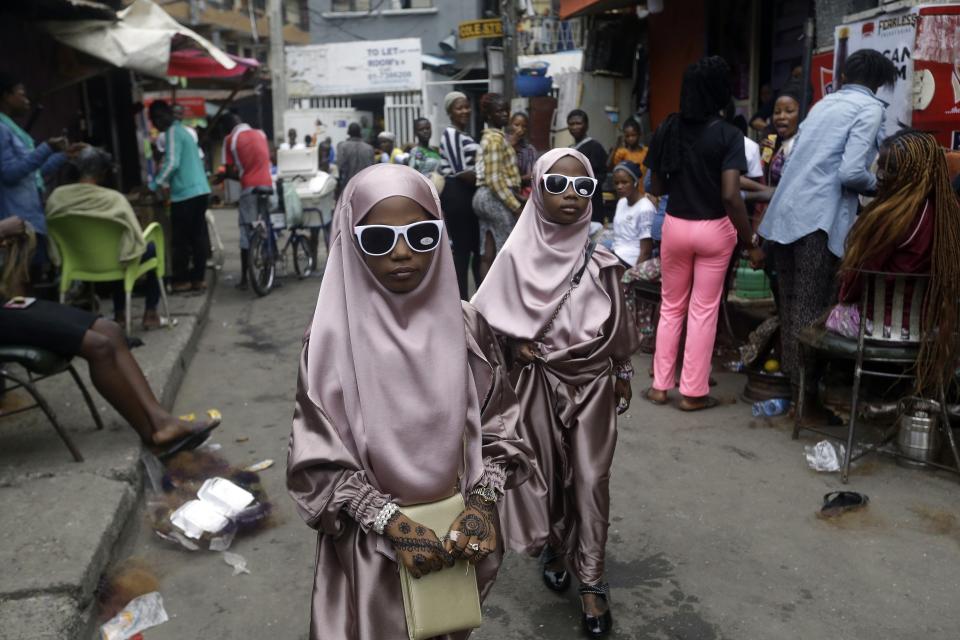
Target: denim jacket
column 19, row 195
column 827, row 170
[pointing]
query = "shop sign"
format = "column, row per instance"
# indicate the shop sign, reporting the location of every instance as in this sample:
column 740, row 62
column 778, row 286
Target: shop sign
column 472, row 29
column 353, row 68
column 194, row 107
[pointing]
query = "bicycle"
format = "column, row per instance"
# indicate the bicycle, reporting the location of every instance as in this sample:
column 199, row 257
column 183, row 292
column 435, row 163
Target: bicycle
column 265, row 257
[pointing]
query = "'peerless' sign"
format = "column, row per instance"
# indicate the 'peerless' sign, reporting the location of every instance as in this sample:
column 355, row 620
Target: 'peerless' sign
column 352, row 68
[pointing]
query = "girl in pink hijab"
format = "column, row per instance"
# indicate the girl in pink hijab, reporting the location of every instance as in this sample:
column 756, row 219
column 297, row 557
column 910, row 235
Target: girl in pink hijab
column 555, row 299
column 401, row 400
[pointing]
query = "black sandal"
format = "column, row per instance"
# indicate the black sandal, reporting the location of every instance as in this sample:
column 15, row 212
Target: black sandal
column 838, row 502
column 189, row 441
column 597, row 626
column 558, row 581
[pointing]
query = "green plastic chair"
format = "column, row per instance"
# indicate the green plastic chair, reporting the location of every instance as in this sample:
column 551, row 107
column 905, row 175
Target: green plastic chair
column 89, row 248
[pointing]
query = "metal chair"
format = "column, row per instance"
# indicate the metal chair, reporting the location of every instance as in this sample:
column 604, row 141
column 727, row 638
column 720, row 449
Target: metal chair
column 40, row 364
column 897, row 345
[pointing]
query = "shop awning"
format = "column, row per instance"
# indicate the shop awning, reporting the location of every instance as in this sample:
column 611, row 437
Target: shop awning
column 142, row 38
column 574, row 8
column 195, row 63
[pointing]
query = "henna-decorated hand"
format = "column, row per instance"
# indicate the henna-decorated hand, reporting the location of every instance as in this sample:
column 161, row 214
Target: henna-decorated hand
column 624, row 395
column 525, row 352
column 473, row 534
column 417, row 546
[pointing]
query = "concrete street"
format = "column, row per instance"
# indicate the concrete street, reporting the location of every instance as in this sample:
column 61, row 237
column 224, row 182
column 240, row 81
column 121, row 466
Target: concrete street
column 714, row 531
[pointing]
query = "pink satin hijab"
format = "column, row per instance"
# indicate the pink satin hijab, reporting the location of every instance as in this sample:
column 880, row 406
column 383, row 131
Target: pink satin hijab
column 532, row 272
column 390, row 370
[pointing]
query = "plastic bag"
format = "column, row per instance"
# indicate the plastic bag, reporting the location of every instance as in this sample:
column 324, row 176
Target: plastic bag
column 825, row 456
column 140, row 613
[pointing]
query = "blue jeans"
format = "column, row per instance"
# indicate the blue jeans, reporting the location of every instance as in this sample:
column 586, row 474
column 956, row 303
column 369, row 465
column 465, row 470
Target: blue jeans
column 152, row 292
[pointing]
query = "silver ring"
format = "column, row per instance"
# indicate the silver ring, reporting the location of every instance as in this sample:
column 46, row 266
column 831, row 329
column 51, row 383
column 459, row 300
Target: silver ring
column 454, row 535
column 474, row 546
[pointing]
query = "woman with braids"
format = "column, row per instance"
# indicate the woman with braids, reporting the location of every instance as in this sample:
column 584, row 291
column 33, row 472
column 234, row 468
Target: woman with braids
column 913, row 226
column 556, row 301
column 497, row 200
column 816, row 202
column 696, row 158
column 401, row 401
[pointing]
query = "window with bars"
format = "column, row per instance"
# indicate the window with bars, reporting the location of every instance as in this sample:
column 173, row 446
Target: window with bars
column 376, row 5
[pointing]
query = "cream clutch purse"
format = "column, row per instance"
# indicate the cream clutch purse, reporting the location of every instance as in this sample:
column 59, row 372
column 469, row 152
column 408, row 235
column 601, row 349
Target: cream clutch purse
column 445, row 601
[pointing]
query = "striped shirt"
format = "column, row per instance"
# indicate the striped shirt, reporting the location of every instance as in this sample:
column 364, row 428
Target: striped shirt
column 497, row 168
column 458, row 152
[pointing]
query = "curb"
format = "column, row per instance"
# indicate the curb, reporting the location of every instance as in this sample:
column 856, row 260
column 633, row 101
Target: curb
column 49, row 607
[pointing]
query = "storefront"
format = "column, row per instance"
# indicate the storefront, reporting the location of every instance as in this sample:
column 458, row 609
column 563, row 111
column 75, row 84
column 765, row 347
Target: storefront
column 378, row 84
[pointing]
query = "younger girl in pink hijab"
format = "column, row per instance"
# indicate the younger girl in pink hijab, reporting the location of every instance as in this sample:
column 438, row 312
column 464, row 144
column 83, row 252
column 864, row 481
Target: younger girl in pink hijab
column 556, row 300
column 401, row 400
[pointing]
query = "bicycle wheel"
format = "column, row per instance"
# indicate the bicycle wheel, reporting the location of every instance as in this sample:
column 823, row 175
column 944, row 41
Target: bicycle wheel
column 303, row 262
column 261, row 269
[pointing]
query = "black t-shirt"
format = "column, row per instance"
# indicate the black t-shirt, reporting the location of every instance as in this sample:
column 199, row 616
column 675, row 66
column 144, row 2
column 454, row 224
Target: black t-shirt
column 597, row 156
column 709, row 149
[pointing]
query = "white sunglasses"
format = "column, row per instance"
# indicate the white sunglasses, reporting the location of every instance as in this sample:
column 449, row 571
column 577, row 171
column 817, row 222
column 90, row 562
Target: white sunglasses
column 380, row 239
column 557, row 183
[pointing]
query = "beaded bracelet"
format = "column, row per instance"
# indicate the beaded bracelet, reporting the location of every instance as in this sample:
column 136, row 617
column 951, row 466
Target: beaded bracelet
column 384, row 517
column 624, row 371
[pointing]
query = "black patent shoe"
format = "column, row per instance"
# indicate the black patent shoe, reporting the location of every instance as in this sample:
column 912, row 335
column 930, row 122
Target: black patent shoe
column 558, row 581
column 597, row 626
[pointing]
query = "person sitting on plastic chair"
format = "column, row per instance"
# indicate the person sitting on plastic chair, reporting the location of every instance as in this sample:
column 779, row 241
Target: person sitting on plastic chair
column 86, row 197
column 70, row 332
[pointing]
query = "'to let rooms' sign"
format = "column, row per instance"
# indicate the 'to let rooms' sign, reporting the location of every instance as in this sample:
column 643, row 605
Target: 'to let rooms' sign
column 352, row 68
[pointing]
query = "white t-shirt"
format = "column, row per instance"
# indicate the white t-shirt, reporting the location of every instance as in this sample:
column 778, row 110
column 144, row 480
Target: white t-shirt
column 631, row 224
column 752, row 151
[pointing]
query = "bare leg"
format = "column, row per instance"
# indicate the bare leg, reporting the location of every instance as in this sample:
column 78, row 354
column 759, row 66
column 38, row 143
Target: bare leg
column 489, row 253
column 119, row 379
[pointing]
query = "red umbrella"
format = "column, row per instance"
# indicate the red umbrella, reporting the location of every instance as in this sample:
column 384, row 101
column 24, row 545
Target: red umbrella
column 194, row 63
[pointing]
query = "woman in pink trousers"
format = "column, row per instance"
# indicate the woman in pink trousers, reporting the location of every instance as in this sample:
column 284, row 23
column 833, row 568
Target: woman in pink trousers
column 697, row 158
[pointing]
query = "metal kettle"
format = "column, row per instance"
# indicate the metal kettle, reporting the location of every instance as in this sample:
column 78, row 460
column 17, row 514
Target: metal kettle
column 918, row 436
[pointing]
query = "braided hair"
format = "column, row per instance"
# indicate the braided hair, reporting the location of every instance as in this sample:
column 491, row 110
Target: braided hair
column 918, row 172
column 705, row 92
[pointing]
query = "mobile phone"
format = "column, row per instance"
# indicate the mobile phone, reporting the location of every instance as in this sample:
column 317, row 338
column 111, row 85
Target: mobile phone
column 19, row 302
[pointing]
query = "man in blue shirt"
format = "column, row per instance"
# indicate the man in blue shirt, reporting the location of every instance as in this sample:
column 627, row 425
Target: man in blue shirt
column 23, row 164
column 182, row 179
column 816, row 201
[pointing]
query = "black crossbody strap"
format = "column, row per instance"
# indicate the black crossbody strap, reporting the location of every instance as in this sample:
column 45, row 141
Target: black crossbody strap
column 574, row 283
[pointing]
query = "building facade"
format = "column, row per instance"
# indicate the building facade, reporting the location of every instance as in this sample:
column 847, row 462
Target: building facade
column 240, row 26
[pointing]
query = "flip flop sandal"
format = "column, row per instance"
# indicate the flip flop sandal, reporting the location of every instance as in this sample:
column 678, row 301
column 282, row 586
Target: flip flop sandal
column 659, row 403
column 163, row 323
column 709, row 403
column 837, row 502
column 191, row 440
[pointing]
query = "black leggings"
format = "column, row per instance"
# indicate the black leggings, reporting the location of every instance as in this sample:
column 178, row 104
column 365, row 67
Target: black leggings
column 464, row 230
column 806, row 272
column 190, row 243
